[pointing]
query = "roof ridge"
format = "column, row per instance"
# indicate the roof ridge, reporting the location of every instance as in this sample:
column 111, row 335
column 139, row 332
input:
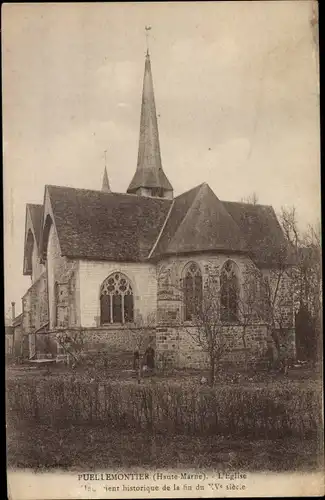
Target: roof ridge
column 200, row 186
column 192, row 189
column 247, row 204
column 99, row 191
column 162, row 229
column 205, row 192
column 79, row 189
column 34, row 204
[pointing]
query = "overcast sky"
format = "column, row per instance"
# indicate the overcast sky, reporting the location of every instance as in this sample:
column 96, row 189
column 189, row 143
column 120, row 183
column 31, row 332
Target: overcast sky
column 236, row 94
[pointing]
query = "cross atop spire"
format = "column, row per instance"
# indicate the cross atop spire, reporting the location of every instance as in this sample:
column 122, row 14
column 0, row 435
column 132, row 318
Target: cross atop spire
column 147, row 28
column 149, row 178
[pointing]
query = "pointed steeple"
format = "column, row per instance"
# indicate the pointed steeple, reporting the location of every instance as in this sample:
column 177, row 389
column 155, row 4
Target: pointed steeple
column 149, row 178
column 105, row 187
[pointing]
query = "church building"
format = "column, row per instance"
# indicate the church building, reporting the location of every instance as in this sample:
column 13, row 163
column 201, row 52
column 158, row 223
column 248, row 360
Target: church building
column 104, row 264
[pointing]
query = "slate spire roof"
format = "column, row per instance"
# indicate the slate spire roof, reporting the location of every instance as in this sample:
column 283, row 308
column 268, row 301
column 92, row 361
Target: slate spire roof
column 106, row 187
column 149, row 172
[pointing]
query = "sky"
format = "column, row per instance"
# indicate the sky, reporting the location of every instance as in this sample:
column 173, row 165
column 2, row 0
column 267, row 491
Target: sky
column 236, row 88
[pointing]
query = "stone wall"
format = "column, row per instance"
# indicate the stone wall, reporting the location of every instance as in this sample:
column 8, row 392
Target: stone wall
column 63, row 285
column 156, row 289
column 118, row 343
column 18, row 340
column 178, row 346
column 9, row 347
column 282, row 289
column 170, row 273
column 37, row 268
column 175, row 344
column 45, row 345
column 35, row 306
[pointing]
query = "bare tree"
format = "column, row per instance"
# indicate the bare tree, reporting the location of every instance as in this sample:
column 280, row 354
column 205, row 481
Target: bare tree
column 207, row 330
column 73, row 344
column 142, row 329
column 312, row 269
column 306, row 273
column 305, row 250
column 276, row 306
column 267, row 295
column 247, row 303
column 289, row 223
column 251, row 199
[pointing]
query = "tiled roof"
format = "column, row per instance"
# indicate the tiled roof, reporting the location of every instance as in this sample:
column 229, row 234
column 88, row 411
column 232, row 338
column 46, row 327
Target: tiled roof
column 199, row 222
column 106, row 226
column 111, row 226
column 261, row 228
column 181, row 205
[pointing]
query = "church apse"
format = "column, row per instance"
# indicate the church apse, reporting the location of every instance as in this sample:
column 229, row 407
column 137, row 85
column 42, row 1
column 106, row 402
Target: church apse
column 183, row 285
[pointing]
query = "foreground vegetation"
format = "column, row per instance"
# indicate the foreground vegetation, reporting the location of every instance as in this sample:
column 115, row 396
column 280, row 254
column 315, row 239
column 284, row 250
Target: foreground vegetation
column 56, row 422
column 268, row 413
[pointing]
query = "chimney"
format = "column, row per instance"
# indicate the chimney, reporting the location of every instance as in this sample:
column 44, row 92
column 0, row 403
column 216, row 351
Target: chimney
column 13, row 314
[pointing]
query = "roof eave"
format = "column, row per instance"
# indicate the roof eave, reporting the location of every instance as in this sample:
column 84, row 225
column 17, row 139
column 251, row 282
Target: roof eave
column 103, row 258
column 162, row 255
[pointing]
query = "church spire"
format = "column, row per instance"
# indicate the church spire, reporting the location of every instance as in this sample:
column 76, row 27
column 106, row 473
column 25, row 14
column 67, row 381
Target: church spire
column 105, row 187
column 149, row 178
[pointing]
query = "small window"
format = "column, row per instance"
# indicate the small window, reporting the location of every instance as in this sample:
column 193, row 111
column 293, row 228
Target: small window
column 116, row 300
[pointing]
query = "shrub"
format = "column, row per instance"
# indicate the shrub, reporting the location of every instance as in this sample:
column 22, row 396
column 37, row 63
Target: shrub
column 255, row 413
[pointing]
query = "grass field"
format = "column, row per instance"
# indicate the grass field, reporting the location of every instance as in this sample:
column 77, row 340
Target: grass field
column 302, row 376
column 85, row 447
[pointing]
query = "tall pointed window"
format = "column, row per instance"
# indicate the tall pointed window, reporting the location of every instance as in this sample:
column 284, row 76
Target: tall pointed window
column 29, row 253
column 229, row 292
column 116, row 300
column 192, row 289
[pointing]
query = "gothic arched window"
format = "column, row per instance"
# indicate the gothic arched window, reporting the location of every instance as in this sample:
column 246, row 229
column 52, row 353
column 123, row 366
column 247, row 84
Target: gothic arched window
column 29, row 253
column 192, row 288
column 229, row 292
column 116, row 300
